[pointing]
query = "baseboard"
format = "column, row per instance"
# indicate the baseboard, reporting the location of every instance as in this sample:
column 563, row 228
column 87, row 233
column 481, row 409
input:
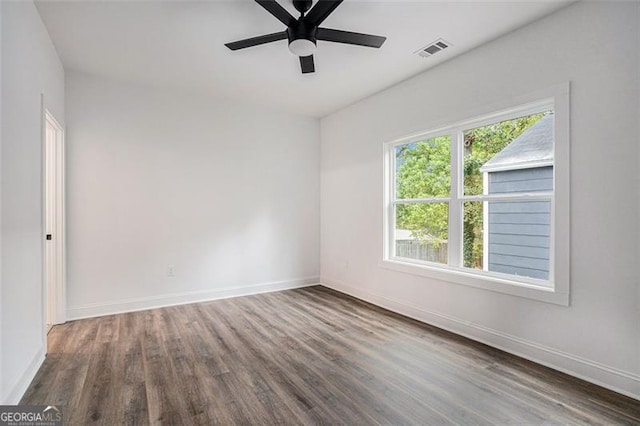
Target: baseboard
column 18, row 390
column 620, row 381
column 161, row 301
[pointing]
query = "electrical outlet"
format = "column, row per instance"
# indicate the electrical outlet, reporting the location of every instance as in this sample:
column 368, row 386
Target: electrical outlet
column 171, row 271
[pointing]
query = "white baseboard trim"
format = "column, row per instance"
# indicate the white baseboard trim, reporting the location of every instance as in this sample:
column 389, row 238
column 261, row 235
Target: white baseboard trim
column 18, row 390
column 617, row 380
column 143, row 303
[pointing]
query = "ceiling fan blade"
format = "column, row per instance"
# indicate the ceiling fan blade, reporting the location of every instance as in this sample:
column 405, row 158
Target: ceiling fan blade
column 278, row 11
column 321, row 11
column 348, row 37
column 307, row 65
column 255, row 41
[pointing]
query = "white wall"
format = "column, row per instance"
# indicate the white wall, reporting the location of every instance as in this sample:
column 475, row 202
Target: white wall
column 1, row 376
column 596, row 47
column 30, row 67
column 226, row 194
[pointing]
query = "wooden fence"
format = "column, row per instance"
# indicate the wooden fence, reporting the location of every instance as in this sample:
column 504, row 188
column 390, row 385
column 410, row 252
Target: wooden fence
column 429, row 252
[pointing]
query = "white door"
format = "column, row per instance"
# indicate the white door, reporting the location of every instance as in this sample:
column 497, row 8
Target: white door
column 54, row 252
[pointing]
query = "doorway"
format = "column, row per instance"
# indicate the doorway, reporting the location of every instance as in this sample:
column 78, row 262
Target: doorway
column 54, row 222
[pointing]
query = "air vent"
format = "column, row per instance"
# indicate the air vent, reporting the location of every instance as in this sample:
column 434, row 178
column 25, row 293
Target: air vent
column 433, row 48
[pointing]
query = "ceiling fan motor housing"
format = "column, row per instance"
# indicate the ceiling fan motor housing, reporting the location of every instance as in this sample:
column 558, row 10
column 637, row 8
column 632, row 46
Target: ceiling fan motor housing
column 302, row 38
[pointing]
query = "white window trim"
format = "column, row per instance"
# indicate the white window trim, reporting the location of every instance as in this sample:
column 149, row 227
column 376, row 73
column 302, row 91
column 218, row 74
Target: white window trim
column 556, row 289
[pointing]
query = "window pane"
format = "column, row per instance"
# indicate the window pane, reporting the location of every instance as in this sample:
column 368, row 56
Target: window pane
column 472, row 235
column 421, row 231
column 517, row 235
column 423, row 169
column 500, row 156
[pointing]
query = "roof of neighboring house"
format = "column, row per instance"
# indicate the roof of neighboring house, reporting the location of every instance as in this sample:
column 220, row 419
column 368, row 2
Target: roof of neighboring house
column 406, row 235
column 533, row 148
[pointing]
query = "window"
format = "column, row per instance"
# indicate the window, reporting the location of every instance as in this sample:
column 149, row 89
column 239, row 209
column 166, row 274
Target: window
column 477, row 202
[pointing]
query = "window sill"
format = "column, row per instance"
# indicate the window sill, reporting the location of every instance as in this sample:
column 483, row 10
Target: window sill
column 463, row 277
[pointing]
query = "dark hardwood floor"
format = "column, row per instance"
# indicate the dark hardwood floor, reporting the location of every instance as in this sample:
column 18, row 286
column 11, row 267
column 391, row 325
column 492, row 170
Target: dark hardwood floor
column 302, row 356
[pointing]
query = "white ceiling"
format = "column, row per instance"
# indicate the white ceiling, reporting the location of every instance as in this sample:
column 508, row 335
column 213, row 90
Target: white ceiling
column 180, row 44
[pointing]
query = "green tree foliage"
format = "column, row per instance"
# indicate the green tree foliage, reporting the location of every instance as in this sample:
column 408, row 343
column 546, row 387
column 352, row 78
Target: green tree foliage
column 424, row 171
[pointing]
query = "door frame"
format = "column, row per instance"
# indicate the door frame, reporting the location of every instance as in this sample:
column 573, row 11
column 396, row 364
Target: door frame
column 53, row 302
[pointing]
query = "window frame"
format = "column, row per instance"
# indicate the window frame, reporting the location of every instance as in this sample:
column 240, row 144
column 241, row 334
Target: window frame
column 556, row 288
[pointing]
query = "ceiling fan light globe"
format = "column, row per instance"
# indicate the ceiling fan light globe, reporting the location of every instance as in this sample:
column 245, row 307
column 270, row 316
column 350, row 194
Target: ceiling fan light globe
column 302, row 47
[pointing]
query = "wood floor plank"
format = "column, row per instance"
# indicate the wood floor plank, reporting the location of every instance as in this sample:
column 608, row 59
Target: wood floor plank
column 306, row 356
column 132, row 406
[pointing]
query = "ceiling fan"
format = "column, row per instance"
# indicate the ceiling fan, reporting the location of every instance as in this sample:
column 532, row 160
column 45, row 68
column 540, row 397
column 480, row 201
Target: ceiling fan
column 304, row 32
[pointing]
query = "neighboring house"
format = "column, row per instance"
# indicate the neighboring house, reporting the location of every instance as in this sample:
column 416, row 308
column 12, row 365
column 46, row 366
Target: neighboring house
column 516, row 233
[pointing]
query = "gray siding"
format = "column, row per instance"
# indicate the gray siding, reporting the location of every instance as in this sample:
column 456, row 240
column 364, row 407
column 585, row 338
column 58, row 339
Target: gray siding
column 519, row 231
column 522, row 180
